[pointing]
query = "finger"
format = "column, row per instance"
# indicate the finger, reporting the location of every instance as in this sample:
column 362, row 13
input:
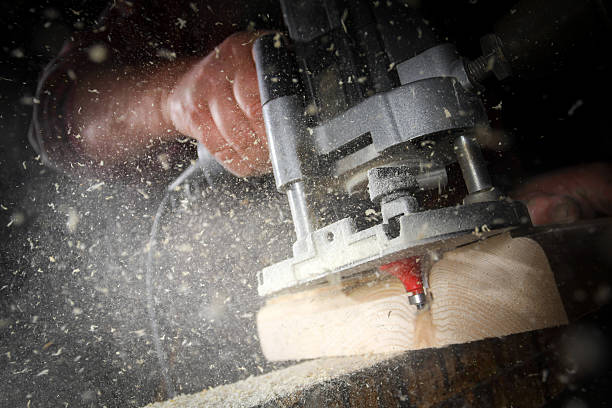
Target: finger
column 191, row 116
column 552, row 209
column 590, row 186
column 244, row 136
column 258, row 159
column 252, row 157
column 203, row 129
column 213, row 140
column 259, row 152
column 246, row 91
column 251, row 161
column 235, row 163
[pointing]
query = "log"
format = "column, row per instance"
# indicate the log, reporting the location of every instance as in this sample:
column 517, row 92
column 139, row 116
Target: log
column 492, row 288
column 519, row 370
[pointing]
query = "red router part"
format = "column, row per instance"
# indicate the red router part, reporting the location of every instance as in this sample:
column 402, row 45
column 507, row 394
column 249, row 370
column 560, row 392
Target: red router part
column 408, row 271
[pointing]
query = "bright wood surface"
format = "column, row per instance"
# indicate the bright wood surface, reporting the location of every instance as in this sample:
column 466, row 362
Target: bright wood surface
column 491, row 288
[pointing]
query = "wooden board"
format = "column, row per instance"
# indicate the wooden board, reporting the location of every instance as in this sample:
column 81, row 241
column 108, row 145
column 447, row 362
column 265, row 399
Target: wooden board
column 488, row 289
column 527, row 369
column 519, row 370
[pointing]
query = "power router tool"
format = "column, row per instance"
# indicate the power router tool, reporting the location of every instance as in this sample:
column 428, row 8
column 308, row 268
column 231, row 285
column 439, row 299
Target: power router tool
column 361, row 97
column 362, row 100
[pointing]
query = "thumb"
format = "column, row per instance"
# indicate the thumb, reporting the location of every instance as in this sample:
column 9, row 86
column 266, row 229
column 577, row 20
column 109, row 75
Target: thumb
column 552, row 209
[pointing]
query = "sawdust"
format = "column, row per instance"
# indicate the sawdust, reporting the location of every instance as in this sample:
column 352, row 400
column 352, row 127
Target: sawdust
column 264, row 388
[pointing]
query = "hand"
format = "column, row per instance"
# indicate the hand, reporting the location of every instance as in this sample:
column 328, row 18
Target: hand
column 217, row 103
column 569, row 194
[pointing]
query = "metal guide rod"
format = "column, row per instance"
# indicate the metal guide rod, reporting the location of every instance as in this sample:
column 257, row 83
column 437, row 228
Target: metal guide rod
column 472, row 163
column 302, row 220
column 283, row 112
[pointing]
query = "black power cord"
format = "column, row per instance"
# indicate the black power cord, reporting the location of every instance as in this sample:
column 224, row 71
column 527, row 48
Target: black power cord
column 210, row 170
column 161, row 356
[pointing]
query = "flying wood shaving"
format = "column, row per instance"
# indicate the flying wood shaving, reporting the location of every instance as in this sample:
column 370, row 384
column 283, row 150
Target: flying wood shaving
column 96, row 186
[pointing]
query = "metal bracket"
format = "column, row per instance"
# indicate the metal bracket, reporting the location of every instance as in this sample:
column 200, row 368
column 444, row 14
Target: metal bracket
column 339, row 250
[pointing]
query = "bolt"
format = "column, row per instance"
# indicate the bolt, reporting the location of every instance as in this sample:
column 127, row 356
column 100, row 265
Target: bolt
column 479, row 69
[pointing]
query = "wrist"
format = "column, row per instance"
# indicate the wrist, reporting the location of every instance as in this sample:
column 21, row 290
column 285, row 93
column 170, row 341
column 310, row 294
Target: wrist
column 170, row 76
column 169, row 130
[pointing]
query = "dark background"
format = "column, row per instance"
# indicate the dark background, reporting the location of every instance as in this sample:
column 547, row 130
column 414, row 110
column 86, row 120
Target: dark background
column 82, row 337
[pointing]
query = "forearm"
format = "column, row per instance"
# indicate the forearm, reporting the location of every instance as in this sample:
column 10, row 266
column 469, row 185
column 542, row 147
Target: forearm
column 116, row 116
column 214, row 100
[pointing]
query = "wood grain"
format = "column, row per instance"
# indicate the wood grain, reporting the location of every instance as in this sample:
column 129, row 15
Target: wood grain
column 489, row 289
